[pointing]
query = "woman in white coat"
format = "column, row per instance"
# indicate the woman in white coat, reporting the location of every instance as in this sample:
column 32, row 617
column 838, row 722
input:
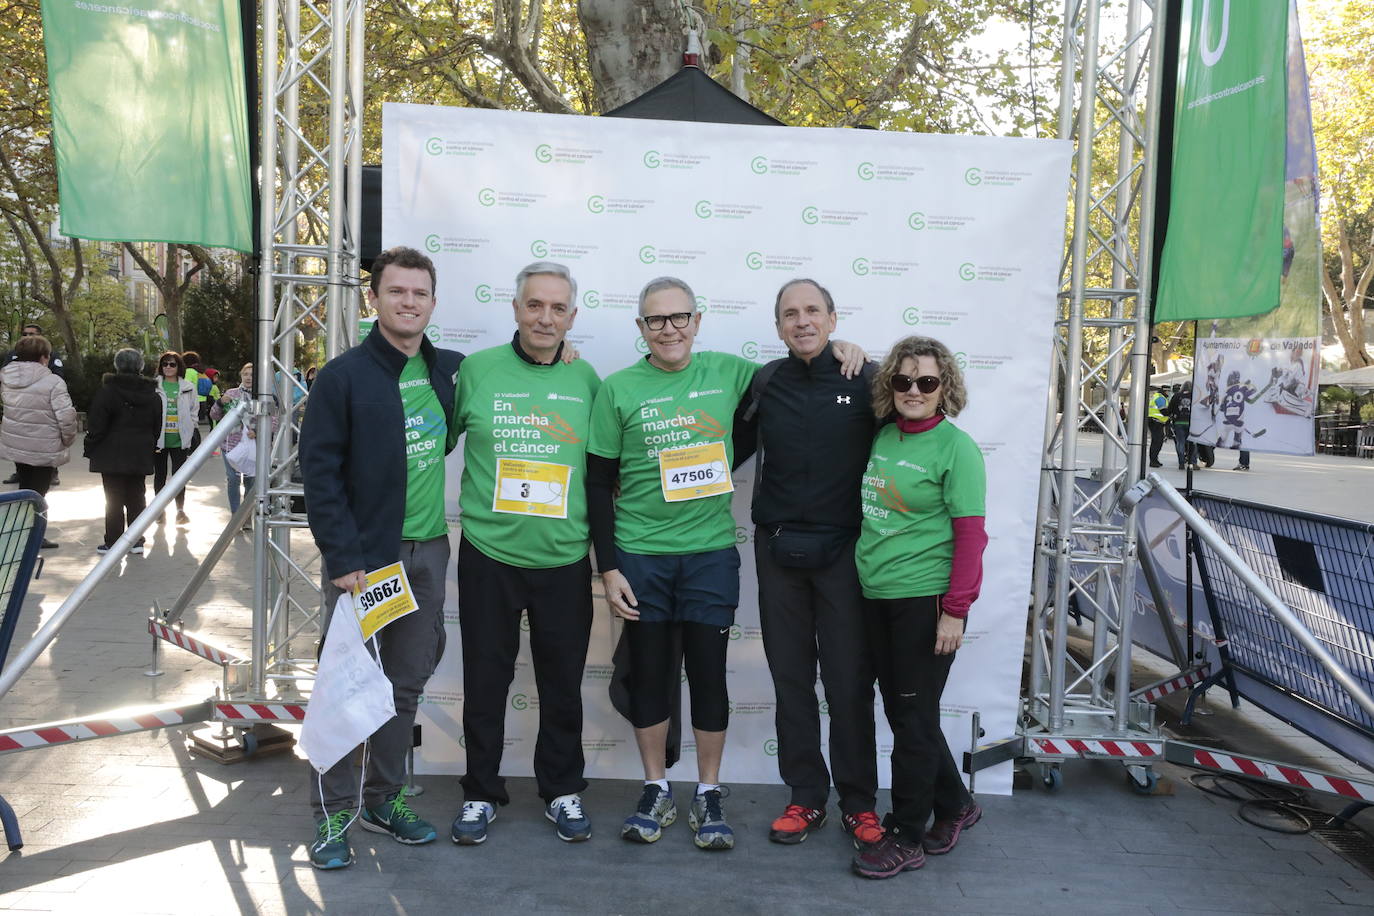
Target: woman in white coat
column 180, row 411
column 40, row 421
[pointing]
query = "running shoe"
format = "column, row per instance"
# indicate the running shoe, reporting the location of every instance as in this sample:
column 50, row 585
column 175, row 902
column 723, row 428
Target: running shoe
column 864, row 827
column 944, row 833
column 566, row 813
column 394, row 816
column 470, row 826
column 330, row 847
column 796, row 824
column 655, row 811
column 707, row 818
column 891, row 856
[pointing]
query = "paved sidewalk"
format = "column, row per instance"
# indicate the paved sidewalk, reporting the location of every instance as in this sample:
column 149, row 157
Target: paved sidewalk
column 137, row 825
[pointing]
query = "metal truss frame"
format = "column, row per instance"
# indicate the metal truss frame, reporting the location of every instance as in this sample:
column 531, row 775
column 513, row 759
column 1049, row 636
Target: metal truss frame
column 310, row 232
column 1086, row 549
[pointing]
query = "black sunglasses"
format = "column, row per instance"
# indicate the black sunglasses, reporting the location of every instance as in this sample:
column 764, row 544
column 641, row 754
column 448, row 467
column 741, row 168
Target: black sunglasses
column 924, row 384
column 656, row 322
column 168, row 363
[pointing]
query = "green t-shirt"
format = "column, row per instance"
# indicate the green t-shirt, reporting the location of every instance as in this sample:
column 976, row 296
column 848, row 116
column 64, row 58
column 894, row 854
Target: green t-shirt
column 913, row 486
column 643, row 411
column 425, row 431
column 171, row 434
column 530, row 423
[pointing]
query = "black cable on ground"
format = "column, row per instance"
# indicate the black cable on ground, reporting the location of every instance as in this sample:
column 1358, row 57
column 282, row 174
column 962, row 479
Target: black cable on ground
column 1280, row 809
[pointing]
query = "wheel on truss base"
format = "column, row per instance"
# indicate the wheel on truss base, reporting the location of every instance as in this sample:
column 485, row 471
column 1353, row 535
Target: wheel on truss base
column 1135, row 775
column 248, row 742
column 1051, row 778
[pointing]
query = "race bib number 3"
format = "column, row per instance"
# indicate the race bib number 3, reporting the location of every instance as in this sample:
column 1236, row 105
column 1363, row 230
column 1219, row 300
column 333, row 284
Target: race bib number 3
column 531, row 488
column 385, row 597
column 694, row 472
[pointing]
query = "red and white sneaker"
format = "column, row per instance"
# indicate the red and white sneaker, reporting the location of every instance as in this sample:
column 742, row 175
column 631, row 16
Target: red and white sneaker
column 796, row 824
column 864, row 827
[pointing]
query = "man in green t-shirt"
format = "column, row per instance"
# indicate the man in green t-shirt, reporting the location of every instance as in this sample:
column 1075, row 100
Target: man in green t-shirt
column 666, row 546
column 526, row 412
column 372, row 452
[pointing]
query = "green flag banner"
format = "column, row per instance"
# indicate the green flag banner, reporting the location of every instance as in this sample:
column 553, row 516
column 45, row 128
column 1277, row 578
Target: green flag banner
column 150, row 125
column 1224, row 247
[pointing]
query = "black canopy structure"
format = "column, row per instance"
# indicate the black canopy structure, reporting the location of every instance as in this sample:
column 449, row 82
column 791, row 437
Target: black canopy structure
column 688, row 95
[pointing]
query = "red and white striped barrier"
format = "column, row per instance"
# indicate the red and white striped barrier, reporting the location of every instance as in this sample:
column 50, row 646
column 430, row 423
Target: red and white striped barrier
column 1277, row 772
column 1093, row 747
column 1156, row 692
column 106, row 725
column 191, row 642
column 260, row 712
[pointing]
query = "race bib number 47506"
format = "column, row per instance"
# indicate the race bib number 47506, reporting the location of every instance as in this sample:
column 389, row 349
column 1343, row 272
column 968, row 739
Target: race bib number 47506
column 694, row 472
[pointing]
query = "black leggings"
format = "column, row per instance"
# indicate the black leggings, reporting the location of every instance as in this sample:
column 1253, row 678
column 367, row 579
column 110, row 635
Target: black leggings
column 653, row 675
column 178, row 456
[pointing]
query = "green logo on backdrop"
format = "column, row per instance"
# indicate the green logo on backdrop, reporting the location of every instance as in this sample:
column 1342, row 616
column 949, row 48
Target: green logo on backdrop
column 810, row 215
column 973, row 176
column 539, row 248
column 596, row 203
column 967, row 271
column 753, row 260
column 434, row 146
column 648, row 254
column 486, row 197
column 759, row 165
column 432, row 243
column 961, row 360
column 770, row 747
column 741, row 536
column 859, row 266
column 652, row 160
column 543, row 152
column 525, row 622
column 519, row 701
column 701, row 303
column 433, row 333
column 482, row 293
column 591, row 299
column 916, row 220
column 824, row 708
column 912, row 316
column 865, row 171
column 749, row 350
column 703, row 209
column 642, row 345
column 736, row 632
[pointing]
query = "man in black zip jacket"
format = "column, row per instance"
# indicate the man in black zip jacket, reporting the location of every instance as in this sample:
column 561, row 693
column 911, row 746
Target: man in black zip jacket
column 816, row 428
column 372, row 456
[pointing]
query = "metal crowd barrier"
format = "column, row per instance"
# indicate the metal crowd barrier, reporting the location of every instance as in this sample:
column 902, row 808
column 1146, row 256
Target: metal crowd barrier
column 23, row 520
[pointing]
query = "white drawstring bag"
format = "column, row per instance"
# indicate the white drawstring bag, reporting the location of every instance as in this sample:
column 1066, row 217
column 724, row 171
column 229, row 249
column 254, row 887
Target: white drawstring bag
column 243, row 457
column 352, row 696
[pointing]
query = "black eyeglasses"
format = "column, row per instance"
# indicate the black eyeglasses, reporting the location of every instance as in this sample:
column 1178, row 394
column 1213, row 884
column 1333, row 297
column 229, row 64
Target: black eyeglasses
column 165, row 365
column 924, row 384
column 656, row 322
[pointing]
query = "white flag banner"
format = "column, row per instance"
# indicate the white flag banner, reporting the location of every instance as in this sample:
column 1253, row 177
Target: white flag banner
column 957, row 238
column 351, row 699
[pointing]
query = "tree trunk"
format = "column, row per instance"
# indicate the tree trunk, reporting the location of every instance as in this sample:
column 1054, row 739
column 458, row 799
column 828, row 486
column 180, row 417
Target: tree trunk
column 631, row 46
column 1345, row 306
column 171, row 285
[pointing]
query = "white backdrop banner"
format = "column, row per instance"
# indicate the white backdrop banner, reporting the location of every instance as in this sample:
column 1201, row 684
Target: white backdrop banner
column 958, row 238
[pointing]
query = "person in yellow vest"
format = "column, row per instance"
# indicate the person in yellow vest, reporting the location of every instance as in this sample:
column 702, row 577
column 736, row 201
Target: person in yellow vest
column 1157, row 403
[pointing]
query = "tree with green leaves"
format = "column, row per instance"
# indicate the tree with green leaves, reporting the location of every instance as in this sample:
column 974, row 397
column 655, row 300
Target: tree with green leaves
column 1340, row 45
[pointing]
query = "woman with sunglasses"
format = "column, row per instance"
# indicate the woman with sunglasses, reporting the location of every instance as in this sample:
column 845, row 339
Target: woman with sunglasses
column 920, row 559
column 180, row 411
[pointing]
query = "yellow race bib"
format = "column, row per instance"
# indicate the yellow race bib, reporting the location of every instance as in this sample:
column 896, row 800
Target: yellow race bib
column 694, row 472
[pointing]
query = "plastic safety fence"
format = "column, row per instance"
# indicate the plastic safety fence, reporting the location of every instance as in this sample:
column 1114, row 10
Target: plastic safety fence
column 1322, row 568
column 22, row 523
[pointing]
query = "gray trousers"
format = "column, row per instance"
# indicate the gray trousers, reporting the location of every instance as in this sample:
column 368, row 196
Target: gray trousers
column 410, row 650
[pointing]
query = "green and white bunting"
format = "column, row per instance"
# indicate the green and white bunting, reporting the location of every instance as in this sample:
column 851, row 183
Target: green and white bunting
column 150, row 124
column 1223, row 251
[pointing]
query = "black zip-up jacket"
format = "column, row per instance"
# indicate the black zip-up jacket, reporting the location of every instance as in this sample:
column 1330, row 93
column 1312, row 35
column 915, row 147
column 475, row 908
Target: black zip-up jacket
column 122, row 424
column 818, row 430
column 352, row 451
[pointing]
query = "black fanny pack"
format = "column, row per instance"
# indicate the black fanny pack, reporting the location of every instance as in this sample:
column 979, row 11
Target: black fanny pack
column 808, row 548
